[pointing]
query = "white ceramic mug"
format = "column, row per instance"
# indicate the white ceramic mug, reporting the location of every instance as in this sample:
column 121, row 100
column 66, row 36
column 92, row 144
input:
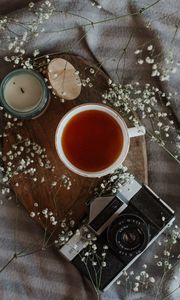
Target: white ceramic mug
column 127, row 134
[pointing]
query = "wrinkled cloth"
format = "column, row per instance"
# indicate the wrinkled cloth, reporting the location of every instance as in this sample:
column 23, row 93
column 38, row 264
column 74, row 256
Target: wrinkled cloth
column 46, row 275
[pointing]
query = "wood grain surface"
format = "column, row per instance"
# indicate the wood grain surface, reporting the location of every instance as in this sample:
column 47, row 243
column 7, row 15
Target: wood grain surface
column 42, row 131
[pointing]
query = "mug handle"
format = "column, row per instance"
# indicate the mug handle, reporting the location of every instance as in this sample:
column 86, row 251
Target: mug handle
column 136, row 131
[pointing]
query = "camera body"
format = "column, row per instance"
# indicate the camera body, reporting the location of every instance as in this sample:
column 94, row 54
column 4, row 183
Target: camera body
column 128, row 223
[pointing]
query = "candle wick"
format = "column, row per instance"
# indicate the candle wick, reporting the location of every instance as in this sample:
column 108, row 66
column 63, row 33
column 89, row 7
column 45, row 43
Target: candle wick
column 22, row 90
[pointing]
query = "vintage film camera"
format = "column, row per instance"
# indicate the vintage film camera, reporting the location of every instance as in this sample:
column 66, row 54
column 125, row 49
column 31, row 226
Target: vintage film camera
column 128, row 223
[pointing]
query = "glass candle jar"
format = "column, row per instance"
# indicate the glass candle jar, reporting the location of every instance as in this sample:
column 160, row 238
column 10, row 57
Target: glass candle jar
column 24, row 94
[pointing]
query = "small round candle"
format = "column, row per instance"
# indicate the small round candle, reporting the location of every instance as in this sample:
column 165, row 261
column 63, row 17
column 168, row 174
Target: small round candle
column 64, row 79
column 24, row 93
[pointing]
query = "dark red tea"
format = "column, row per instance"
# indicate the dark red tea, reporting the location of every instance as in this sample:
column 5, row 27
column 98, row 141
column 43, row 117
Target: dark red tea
column 92, row 140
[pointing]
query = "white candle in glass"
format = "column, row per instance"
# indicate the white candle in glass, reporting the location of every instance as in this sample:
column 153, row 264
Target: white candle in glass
column 23, row 92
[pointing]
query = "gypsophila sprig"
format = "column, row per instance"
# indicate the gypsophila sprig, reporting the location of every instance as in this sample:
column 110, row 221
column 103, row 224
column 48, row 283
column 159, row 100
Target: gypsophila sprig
column 142, row 105
column 17, row 34
column 93, row 255
column 146, row 279
column 161, row 70
column 114, row 182
column 28, row 158
column 67, row 229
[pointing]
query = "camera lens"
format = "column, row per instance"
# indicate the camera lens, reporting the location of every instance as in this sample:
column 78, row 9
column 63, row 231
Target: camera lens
column 128, row 235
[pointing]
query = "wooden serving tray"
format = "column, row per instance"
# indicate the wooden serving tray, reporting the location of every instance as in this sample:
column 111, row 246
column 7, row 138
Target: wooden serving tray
column 43, row 191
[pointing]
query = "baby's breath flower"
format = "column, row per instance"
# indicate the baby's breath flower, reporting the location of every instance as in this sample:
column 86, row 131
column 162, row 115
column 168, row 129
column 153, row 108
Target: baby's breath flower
column 150, row 47
column 159, row 263
column 140, row 61
column 149, row 60
column 36, row 52
column 143, row 273
column 151, row 279
column 105, row 247
column 138, row 277
column 32, row 214
column 104, row 264
column 159, row 124
column 137, row 51
column 31, row 4
column 91, row 70
column 83, row 259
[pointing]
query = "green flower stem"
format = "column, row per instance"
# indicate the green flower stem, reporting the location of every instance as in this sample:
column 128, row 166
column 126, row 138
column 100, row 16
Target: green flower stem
column 9, row 261
column 93, row 23
column 167, row 296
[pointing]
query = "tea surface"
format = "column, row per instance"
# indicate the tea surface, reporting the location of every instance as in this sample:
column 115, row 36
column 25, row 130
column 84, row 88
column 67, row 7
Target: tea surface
column 92, row 140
